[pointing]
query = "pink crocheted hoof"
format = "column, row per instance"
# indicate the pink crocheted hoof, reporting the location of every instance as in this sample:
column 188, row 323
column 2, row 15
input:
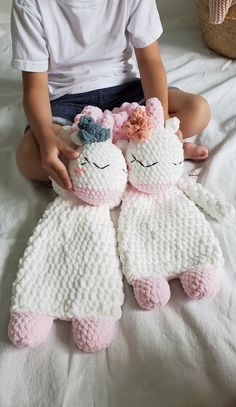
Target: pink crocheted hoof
column 91, row 335
column 151, row 293
column 200, row 282
column 27, row 329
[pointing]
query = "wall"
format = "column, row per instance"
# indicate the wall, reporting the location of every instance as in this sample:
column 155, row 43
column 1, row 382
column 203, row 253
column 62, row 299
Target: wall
column 174, row 8
column 167, row 8
column 5, row 6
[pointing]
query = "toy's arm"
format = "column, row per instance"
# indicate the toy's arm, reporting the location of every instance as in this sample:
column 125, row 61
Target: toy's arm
column 215, row 207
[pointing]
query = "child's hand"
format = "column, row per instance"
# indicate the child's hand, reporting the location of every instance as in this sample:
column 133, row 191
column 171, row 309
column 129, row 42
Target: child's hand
column 50, row 149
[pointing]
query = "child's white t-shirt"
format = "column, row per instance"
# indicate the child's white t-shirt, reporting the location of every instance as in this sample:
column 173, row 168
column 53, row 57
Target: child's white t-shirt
column 83, row 44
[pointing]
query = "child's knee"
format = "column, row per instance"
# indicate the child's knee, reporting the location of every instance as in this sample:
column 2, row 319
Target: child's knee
column 26, row 150
column 199, row 106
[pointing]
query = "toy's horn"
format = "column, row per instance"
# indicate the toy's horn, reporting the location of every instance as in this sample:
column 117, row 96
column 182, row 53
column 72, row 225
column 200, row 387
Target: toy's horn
column 155, row 110
column 107, row 120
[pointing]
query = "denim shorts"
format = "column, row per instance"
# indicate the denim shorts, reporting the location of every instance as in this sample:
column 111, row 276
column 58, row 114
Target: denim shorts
column 68, row 106
column 65, row 108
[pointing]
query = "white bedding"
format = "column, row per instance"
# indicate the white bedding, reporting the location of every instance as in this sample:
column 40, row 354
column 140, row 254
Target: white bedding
column 182, row 356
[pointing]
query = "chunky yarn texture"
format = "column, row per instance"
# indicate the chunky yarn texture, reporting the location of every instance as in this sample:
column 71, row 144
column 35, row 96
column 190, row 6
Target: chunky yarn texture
column 70, row 269
column 161, row 232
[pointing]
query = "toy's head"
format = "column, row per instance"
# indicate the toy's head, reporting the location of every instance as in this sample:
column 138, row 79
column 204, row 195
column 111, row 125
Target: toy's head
column 99, row 175
column 154, row 154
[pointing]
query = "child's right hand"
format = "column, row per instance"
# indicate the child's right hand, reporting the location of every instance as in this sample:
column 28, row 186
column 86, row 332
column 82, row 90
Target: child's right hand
column 51, row 147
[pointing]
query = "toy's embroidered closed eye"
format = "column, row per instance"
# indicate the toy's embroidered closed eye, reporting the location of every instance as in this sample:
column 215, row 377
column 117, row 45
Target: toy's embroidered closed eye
column 140, row 162
column 96, row 165
column 149, row 165
column 178, row 163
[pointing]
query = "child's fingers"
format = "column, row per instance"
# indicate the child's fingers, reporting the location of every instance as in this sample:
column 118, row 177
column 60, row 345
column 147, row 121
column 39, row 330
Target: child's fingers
column 53, row 165
column 58, row 172
column 68, row 152
column 53, row 175
column 62, row 172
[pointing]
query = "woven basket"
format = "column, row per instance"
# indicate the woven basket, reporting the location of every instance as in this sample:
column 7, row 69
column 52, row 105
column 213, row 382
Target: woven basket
column 219, row 37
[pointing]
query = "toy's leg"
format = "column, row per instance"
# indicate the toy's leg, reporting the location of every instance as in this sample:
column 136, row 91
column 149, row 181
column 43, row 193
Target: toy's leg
column 28, row 329
column 91, row 334
column 151, row 293
column 200, row 282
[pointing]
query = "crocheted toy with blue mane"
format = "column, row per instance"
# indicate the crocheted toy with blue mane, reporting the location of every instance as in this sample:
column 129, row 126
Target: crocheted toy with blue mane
column 70, row 269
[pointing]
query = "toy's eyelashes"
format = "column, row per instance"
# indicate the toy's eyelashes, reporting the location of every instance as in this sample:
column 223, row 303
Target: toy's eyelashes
column 101, row 168
column 150, row 165
column 96, row 165
column 140, row 162
column 87, row 161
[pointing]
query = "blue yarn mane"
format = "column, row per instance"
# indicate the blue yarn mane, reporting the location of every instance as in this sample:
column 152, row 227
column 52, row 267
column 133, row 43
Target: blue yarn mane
column 92, row 132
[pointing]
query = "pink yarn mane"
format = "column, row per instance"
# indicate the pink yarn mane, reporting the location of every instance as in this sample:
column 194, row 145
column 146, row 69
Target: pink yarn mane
column 144, row 119
column 219, row 9
column 138, row 127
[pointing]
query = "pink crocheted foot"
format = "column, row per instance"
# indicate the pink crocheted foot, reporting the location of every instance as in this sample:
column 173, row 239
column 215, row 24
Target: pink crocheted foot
column 151, row 293
column 200, row 282
column 91, row 334
column 28, row 329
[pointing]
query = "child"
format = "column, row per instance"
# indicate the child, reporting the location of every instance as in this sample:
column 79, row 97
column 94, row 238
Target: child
column 74, row 53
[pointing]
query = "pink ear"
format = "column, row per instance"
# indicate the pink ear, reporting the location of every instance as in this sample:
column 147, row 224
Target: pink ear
column 126, row 107
column 91, row 111
column 119, row 120
column 155, row 110
column 107, row 120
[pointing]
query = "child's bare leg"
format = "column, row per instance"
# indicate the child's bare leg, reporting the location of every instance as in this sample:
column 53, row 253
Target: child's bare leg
column 28, row 157
column 194, row 114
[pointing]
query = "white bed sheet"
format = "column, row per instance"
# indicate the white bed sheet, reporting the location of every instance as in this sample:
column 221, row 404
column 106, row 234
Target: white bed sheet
column 182, row 356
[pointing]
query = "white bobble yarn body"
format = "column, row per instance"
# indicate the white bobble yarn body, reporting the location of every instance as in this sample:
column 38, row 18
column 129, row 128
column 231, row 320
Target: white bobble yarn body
column 164, row 235
column 70, row 268
column 161, row 231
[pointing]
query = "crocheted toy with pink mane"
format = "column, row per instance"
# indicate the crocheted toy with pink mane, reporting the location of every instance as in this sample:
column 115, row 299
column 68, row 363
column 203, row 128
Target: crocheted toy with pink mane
column 162, row 234
column 70, row 269
column 219, row 10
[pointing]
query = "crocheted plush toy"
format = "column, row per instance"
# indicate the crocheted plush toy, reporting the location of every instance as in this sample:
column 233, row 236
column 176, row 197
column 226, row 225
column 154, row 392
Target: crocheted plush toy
column 162, row 234
column 219, row 10
column 70, row 269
